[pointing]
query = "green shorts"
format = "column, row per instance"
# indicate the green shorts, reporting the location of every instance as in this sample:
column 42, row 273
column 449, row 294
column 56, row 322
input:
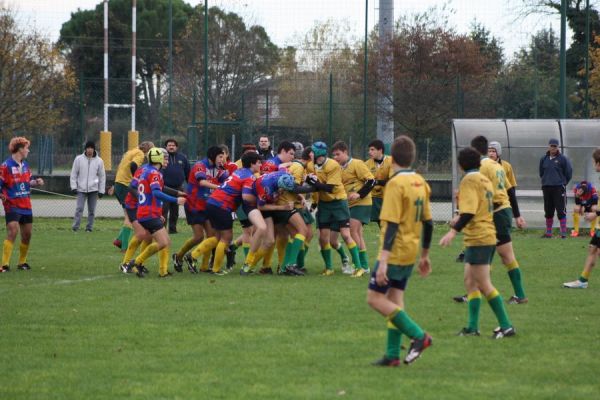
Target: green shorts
column 376, row 208
column 479, row 255
column 361, row 213
column 330, row 212
column 397, row 277
column 280, row 217
column 503, row 224
column 243, row 218
column 307, row 216
column 121, row 192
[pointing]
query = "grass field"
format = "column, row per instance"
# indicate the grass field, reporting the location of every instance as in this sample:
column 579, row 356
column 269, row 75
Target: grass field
column 75, row 328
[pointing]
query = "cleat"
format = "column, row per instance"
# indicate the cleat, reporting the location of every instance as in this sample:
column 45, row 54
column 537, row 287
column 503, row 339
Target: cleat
column 546, row 236
column 126, row 267
column 417, row 346
column 246, row 270
column 461, row 299
column 327, row 272
column 177, row 264
column 167, row 275
column 499, row 333
column 468, row 332
column 140, row 271
column 24, row 267
column 191, row 263
column 517, row 300
column 4, row 268
column 303, row 270
column 143, row 269
column 358, row 272
column 294, row 270
column 576, row 285
column 265, row 271
column 346, row 267
column 461, row 257
column 563, row 236
column 217, row 273
column 230, row 254
column 574, row 233
column 117, row 243
column 387, row 362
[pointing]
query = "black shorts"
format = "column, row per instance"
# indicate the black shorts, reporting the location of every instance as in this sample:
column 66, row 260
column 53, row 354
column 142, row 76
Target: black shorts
column 595, row 241
column 152, row 225
column 131, row 214
column 195, row 217
column 22, row 219
column 398, row 276
column 220, row 220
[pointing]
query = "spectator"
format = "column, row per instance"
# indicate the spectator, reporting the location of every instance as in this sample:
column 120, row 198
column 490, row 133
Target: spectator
column 175, row 176
column 264, row 148
column 556, row 172
column 88, row 182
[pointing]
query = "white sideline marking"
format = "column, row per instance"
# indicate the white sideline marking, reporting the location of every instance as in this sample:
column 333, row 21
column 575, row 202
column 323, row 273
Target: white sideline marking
column 72, row 281
column 59, row 282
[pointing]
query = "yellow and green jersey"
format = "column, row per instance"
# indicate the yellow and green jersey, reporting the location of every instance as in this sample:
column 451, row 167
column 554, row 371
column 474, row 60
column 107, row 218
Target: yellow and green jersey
column 476, row 197
column 495, row 173
column 124, row 170
column 296, row 169
column 406, row 203
column 510, row 174
column 381, row 171
column 354, row 175
column 330, row 172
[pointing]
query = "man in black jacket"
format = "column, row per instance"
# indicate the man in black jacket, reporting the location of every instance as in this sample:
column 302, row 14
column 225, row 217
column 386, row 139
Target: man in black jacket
column 174, row 175
column 556, row 172
column 264, row 148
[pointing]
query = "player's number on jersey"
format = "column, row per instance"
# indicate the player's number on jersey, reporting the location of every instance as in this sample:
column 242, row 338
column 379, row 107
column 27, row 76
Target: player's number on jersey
column 501, row 179
column 141, row 194
column 490, row 197
column 419, row 208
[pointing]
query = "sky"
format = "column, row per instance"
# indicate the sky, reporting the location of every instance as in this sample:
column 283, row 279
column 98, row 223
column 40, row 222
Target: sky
column 286, row 20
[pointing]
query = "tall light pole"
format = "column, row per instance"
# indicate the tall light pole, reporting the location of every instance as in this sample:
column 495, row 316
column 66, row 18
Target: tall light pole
column 563, row 61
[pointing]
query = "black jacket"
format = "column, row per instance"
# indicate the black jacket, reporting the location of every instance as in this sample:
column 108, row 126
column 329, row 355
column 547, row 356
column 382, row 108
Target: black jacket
column 177, row 171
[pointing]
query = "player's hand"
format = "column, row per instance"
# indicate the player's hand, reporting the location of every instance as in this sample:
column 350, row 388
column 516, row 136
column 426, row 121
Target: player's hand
column 454, row 220
column 311, row 179
column 381, row 275
column 521, row 224
column 353, row 196
column 110, row 191
column 289, row 206
column 181, row 200
column 424, row 266
column 39, row 182
column 446, row 240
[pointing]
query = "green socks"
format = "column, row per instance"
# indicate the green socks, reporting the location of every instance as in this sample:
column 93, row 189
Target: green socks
column 474, row 301
column 364, row 259
column 326, row 254
column 497, row 305
column 342, row 253
column 355, row 256
column 515, row 279
column 405, row 324
column 125, row 237
column 394, row 339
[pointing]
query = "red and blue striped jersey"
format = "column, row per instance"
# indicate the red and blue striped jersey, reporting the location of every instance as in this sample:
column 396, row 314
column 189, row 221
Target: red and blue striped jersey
column 228, row 196
column 15, row 185
column 264, row 188
column 149, row 206
column 272, row 165
column 230, row 167
column 131, row 200
column 196, row 194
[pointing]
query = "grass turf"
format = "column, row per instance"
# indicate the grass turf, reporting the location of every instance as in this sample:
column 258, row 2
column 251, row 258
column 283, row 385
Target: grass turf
column 74, row 327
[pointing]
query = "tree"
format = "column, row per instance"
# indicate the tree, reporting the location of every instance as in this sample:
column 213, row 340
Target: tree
column 34, row 80
column 81, row 40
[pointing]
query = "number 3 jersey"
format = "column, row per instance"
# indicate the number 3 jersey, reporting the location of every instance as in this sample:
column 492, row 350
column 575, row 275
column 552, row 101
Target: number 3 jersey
column 406, row 203
column 476, row 197
column 149, row 207
column 14, row 182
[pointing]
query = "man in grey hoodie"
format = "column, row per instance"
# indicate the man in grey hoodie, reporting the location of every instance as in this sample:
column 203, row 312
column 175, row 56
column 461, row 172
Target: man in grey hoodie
column 88, row 181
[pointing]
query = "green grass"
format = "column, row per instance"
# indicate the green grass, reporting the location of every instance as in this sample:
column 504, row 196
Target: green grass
column 75, row 328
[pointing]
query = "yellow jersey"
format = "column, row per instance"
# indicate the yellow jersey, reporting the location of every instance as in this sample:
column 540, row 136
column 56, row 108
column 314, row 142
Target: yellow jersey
column 495, row 173
column 354, row 175
column 510, row 174
column 124, row 170
column 380, row 171
column 296, row 169
column 476, row 197
column 406, row 203
column 330, row 172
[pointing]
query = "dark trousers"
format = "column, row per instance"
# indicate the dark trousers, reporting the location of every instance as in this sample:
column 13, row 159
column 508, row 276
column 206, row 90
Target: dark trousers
column 555, row 198
column 171, row 213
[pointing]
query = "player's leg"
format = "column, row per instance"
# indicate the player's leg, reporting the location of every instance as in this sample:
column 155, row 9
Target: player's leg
column 324, row 243
column 225, row 237
column 473, row 301
column 297, row 230
column 190, row 243
column 337, row 246
column 588, row 266
column 12, row 229
column 504, row 247
column 25, row 227
column 353, row 248
column 576, row 217
column 260, row 231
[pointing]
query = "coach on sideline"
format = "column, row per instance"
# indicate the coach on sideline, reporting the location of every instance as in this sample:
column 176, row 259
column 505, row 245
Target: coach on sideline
column 175, row 175
column 556, row 172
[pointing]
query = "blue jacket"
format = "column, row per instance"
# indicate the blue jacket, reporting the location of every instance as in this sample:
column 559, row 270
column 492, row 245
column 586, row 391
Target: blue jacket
column 177, row 171
column 556, row 171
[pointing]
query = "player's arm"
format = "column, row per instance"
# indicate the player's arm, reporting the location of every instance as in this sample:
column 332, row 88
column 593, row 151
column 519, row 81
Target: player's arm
column 391, row 230
column 322, row 187
column 173, row 192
